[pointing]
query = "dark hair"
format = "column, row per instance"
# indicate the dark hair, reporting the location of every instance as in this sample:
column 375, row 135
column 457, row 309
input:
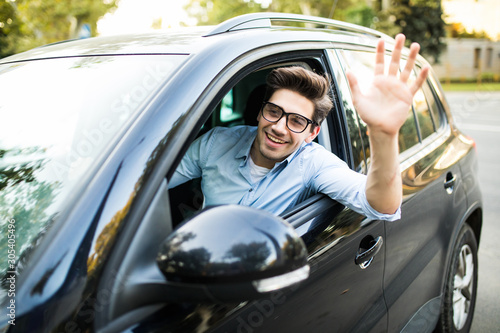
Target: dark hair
column 312, row 86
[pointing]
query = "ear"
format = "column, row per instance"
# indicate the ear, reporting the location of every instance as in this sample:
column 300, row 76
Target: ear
column 313, row 134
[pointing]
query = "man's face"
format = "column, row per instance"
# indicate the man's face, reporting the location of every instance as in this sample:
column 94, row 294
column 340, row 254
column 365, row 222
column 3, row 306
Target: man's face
column 274, row 141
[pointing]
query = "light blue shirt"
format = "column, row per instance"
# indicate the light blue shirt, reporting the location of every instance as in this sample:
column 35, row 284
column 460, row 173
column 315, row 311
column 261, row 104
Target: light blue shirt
column 220, row 158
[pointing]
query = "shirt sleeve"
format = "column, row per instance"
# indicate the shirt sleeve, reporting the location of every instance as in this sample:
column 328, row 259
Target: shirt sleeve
column 192, row 162
column 332, row 176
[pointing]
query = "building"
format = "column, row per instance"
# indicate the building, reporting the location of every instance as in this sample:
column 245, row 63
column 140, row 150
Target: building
column 469, row 59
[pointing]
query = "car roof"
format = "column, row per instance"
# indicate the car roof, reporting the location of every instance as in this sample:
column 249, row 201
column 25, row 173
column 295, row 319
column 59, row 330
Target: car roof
column 170, row 41
column 190, row 40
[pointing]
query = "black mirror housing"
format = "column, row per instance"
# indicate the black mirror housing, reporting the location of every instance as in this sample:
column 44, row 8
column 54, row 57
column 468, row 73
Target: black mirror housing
column 234, row 253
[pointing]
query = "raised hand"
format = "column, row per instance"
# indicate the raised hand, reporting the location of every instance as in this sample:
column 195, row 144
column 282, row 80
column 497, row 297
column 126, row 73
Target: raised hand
column 384, row 107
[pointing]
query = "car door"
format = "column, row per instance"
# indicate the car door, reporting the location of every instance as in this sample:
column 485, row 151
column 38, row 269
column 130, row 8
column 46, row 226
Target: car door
column 434, row 201
column 339, row 295
column 417, row 245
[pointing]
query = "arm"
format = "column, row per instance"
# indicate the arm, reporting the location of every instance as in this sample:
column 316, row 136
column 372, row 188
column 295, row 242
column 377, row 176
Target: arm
column 384, row 108
column 191, row 164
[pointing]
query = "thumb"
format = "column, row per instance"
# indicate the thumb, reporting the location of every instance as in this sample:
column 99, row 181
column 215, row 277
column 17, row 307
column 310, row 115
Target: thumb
column 353, row 83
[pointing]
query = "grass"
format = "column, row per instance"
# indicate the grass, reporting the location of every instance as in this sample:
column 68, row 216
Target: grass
column 472, row 86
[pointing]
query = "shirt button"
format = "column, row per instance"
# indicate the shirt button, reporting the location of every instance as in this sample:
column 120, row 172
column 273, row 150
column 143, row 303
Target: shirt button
column 250, row 190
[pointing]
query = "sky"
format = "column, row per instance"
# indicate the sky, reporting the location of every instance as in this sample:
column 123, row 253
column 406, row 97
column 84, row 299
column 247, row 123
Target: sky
column 475, row 15
column 139, row 15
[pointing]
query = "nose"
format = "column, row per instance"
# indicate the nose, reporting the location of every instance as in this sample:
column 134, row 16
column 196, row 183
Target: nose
column 280, row 126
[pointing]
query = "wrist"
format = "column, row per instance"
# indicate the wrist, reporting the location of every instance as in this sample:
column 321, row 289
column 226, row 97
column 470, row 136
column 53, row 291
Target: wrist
column 384, row 137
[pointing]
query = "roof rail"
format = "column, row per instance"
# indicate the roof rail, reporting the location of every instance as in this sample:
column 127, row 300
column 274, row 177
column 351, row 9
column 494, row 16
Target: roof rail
column 264, row 20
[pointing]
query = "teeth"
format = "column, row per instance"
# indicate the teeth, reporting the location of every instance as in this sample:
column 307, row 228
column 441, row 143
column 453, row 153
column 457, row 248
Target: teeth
column 273, row 139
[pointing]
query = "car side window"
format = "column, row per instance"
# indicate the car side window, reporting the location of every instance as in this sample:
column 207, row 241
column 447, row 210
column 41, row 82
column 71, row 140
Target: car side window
column 362, row 64
column 408, row 135
column 358, row 145
column 438, row 96
column 423, row 113
column 435, row 111
column 426, row 110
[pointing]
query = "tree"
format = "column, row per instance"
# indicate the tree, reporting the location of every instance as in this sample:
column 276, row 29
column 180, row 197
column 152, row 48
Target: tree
column 420, row 20
column 25, row 198
column 55, row 20
column 457, row 30
column 10, row 28
column 41, row 22
column 216, row 11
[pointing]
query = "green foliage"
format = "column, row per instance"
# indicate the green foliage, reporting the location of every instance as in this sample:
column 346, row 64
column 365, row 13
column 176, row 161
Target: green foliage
column 489, row 77
column 209, row 12
column 472, row 86
column 457, row 30
column 38, row 22
column 361, row 15
column 10, row 29
column 24, row 199
column 420, row 20
column 217, row 11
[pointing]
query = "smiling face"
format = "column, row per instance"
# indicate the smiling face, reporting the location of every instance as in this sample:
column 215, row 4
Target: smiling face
column 274, row 141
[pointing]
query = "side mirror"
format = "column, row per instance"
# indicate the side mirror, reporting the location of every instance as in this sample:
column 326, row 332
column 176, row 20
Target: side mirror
column 232, row 254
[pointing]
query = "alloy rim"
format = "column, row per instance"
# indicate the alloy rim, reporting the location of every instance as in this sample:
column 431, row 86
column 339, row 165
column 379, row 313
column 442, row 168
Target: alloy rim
column 463, row 287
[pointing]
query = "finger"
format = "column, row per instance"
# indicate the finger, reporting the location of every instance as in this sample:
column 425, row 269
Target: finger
column 410, row 63
column 379, row 58
column 396, row 55
column 420, row 80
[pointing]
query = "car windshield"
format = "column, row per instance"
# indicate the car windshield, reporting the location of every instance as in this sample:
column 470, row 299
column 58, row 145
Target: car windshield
column 57, row 117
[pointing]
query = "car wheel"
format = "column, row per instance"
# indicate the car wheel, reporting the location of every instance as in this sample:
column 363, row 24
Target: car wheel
column 461, row 285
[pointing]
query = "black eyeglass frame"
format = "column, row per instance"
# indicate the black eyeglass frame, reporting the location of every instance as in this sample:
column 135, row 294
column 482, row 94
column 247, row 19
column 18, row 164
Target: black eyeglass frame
column 284, row 113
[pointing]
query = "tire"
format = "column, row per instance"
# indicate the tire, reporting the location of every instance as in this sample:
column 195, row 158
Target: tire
column 461, row 285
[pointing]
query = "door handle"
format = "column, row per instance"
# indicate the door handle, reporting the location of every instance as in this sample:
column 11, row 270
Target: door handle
column 450, row 181
column 365, row 256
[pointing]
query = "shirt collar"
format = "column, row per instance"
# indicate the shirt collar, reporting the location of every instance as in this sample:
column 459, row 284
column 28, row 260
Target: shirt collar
column 292, row 155
column 246, row 143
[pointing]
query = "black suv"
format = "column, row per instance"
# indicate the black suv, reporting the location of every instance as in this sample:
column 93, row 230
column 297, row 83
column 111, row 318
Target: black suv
column 93, row 239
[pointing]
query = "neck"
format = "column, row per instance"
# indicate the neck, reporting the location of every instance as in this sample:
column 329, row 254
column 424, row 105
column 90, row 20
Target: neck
column 260, row 160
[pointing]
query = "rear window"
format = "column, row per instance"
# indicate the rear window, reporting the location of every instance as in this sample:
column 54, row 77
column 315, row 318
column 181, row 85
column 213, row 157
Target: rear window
column 423, row 117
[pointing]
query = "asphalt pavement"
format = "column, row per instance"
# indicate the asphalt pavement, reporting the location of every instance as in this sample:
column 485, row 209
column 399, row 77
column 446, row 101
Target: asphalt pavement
column 477, row 114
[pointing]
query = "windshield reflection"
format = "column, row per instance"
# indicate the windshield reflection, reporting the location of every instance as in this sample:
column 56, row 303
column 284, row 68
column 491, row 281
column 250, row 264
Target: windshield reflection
column 189, row 256
column 58, row 117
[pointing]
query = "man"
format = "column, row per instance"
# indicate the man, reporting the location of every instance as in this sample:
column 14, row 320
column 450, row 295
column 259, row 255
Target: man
column 277, row 164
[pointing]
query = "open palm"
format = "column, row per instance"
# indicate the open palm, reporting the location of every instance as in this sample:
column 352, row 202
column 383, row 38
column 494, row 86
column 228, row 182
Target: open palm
column 384, row 106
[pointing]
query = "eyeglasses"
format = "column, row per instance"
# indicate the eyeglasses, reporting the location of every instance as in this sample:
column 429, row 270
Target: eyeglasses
column 294, row 122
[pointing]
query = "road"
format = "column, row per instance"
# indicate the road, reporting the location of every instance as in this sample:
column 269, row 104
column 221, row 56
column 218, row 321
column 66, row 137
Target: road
column 478, row 115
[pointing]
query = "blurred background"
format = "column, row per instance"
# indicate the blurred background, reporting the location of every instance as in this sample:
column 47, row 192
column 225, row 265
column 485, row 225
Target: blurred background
column 460, row 37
